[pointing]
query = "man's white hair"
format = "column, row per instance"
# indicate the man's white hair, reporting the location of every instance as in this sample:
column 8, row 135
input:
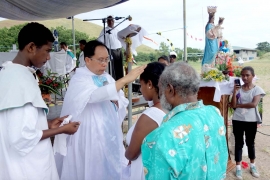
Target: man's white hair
column 182, row 77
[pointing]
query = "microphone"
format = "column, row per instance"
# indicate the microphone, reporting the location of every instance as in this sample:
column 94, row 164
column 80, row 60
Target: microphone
column 129, row 18
column 117, row 18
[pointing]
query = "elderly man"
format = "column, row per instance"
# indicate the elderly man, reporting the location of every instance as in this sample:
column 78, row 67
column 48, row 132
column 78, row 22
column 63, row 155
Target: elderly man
column 191, row 142
column 115, row 46
column 97, row 151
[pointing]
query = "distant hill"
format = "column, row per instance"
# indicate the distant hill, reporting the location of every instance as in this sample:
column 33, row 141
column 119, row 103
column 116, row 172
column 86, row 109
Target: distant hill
column 89, row 28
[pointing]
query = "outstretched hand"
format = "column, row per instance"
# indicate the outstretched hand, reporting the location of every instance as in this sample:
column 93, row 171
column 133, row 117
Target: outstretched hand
column 134, row 73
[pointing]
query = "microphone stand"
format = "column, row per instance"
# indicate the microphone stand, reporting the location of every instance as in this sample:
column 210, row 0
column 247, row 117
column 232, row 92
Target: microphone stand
column 104, row 33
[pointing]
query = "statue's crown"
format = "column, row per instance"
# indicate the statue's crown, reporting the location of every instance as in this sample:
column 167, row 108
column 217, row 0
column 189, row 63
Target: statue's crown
column 211, row 9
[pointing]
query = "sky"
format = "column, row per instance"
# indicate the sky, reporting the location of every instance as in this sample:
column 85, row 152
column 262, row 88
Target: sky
column 245, row 21
column 245, row 24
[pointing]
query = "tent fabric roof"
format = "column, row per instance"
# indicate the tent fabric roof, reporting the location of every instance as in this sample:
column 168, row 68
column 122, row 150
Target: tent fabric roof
column 50, row 9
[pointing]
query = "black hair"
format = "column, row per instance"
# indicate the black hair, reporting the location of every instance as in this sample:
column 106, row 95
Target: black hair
column 152, row 73
column 248, row 68
column 82, row 42
column 63, row 44
column 90, row 47
column 165, row 58
column 36, row 33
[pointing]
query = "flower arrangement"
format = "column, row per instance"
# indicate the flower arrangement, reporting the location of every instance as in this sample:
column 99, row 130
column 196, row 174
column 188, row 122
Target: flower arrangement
column 224, row 63
column 237, row 71
column 50, row 83
column 213, row 75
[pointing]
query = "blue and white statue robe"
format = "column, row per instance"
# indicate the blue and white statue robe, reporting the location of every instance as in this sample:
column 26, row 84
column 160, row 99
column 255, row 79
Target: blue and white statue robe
column 211, row 44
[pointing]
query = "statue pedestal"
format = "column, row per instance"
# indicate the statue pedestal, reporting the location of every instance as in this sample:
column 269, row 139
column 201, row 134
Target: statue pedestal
column 207, row 95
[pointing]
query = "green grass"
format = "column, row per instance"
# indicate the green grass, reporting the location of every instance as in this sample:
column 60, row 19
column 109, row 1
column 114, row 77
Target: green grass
column 261, row 66
column 145, row 49
column 195, row 65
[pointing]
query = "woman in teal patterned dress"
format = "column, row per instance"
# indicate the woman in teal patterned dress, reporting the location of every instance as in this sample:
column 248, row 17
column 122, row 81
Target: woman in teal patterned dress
column 190, row 144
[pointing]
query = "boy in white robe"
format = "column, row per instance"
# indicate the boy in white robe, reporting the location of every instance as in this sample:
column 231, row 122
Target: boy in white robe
column 96, row 151
column 25, row 146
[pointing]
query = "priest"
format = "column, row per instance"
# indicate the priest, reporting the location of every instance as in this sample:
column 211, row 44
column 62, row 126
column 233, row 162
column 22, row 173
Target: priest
column 96, row 151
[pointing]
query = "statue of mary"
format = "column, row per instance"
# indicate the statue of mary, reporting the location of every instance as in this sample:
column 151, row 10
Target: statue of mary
column 212, row 33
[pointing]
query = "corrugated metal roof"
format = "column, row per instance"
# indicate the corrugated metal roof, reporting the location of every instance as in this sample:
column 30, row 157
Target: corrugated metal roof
column 242, row 48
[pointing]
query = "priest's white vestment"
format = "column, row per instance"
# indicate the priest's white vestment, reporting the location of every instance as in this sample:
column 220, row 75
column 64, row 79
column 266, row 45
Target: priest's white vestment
column 22, row 118
column 96, row 150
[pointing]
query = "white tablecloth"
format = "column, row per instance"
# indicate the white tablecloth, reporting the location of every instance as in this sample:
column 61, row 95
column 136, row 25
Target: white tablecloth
column 222, row 88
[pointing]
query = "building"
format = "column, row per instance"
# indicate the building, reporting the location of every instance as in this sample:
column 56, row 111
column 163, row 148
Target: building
column 245, row 53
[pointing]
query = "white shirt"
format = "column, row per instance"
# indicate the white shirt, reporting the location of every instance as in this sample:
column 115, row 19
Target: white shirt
column 70, row 62
column 136, row 167
column 22, row 155
column 112, row 41
column 81, row 60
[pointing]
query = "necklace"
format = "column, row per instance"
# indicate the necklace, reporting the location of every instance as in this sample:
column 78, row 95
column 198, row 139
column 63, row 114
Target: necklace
column 156, row 103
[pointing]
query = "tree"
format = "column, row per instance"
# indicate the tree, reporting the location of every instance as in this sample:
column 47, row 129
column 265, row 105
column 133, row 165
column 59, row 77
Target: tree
column 142, row 57
column 179, row 53
column 193, row 57
column 263, row 46
column 163, row 49
column 65, row 35
column 9, row 36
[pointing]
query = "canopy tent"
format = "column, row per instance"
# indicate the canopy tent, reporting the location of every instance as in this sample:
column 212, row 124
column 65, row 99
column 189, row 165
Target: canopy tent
column 33, row 10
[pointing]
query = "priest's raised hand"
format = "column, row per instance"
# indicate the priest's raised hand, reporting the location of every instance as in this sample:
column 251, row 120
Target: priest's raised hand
column 130, row 77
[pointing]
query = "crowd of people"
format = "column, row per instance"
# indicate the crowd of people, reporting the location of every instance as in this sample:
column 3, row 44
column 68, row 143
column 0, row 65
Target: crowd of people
column 177, row 137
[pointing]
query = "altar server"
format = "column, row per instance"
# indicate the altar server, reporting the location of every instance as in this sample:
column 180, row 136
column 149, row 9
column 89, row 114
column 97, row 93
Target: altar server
column 25, row 147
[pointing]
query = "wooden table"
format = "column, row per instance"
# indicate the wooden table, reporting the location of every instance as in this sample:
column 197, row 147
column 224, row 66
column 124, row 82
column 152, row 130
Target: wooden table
column 207, row 95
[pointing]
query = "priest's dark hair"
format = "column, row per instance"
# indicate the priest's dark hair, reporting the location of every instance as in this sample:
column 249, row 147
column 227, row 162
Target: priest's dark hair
column 90, row 47
column 36, row 33
column 152, row 73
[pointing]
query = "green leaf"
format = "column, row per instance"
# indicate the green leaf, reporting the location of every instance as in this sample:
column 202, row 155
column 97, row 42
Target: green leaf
column 51, row 89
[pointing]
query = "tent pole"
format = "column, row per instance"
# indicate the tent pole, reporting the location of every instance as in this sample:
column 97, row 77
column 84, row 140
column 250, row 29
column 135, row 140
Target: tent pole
column 185, row 30
column 73, row 33
column 129, row 98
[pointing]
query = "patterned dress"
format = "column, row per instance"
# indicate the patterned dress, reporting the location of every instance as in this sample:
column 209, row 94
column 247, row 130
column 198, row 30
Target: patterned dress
column 190, row 144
